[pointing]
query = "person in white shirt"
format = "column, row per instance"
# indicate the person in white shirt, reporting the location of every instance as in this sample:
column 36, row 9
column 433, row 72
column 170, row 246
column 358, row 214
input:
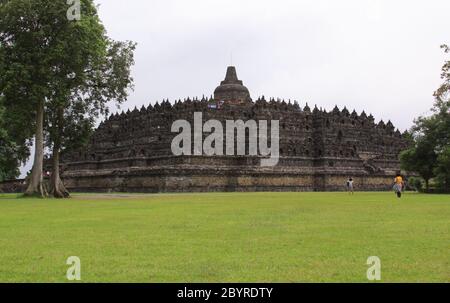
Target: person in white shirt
column 350, row 186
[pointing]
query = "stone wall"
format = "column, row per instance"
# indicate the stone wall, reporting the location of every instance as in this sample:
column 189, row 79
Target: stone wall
column 14, row 186
column 209, row 174
column 159, row 182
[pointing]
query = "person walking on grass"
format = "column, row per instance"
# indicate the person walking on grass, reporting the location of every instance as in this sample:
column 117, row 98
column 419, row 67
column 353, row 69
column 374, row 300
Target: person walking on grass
column 398, row 185
column 350, row 186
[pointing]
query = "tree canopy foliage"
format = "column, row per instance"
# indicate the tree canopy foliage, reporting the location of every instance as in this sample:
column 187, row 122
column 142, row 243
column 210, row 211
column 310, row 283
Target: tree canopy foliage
column 58, row 76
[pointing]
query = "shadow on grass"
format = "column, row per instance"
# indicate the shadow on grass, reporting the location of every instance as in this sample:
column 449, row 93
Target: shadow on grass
column 22, row 196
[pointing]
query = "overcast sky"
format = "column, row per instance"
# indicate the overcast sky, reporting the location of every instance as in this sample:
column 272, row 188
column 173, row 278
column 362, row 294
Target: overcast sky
column 381, row 56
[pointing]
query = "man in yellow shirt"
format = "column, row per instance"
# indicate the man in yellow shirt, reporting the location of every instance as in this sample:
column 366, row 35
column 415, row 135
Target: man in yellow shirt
column 398, row 185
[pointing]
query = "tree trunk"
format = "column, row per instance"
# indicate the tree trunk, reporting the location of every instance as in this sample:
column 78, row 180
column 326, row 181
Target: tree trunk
column 427, row 185
column 57, row 188
column 36, row 186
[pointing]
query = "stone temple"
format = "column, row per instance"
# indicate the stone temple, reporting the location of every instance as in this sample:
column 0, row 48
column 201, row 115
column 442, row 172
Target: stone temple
column 319, row 150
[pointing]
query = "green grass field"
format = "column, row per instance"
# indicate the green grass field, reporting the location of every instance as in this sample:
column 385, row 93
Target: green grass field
column 226, row 237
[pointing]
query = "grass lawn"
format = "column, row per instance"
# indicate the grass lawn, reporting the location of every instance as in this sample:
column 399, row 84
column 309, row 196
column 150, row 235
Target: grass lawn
column 226, row 237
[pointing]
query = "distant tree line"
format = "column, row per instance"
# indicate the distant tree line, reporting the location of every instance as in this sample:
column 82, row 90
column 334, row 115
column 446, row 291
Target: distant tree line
column 56, row 77
column 429, row 156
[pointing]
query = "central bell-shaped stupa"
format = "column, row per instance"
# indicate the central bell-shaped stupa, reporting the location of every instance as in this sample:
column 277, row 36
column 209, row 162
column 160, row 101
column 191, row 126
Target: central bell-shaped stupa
column 232, row 90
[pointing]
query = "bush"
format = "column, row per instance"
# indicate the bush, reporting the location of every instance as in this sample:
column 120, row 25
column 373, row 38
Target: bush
column 416, row 183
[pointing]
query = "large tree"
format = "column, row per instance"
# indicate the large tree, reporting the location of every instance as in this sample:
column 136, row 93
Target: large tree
column 429, row 155
column 421, row 158
column 66, row 70
column 91, row 72
column 26, row 72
